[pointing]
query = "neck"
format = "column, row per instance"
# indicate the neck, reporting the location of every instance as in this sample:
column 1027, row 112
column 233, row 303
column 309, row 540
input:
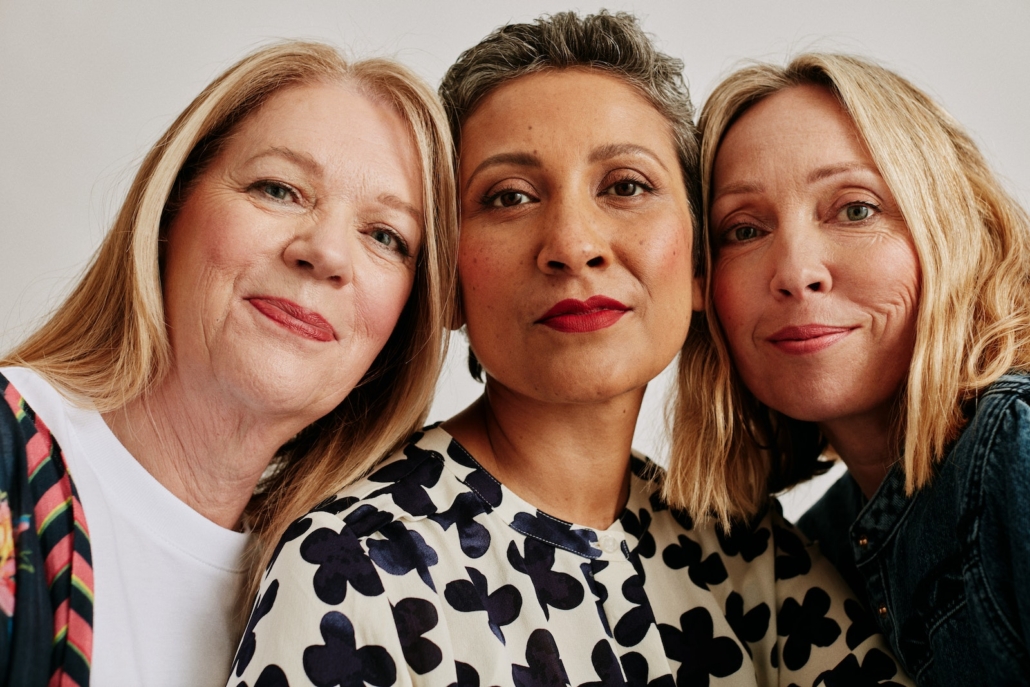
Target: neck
column 866, row 445
column 570, row 460
column 208, row 453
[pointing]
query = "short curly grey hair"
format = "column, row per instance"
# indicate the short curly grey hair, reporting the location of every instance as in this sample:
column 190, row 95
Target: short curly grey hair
column 613, row 43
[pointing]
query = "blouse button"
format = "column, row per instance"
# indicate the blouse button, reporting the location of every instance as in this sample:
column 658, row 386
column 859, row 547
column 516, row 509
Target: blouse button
column 863, row 541
column 882, row 610
column 609, row 544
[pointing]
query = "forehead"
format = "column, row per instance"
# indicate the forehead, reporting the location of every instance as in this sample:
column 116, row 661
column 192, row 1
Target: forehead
column 564, row 110
column 801, row 122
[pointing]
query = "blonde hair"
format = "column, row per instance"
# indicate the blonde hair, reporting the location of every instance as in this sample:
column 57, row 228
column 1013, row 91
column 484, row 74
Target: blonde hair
column 973, row 320
column 107, row 343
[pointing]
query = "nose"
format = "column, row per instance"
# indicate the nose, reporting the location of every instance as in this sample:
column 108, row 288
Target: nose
column 574, row 239
column 323, row 249
column 800, row 266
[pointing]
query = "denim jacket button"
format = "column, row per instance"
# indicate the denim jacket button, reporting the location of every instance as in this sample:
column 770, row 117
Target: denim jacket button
column 882, row 610
column 863, row 540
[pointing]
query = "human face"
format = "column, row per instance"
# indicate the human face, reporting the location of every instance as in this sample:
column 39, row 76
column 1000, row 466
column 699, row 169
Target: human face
column 816, row 281
column 294, row 253
column 574, row 255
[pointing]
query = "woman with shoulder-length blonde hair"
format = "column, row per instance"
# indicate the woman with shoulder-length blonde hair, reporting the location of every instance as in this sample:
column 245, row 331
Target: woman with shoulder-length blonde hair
column 268, row 310
column 868, row 293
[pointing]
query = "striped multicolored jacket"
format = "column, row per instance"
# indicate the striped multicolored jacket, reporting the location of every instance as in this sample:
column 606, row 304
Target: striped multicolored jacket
column 46, row 567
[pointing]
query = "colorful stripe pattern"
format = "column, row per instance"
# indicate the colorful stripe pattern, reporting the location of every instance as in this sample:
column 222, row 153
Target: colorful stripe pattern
column 60, row 526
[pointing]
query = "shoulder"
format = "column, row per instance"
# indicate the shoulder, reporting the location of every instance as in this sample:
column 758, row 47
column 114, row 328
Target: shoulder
column 999, row 425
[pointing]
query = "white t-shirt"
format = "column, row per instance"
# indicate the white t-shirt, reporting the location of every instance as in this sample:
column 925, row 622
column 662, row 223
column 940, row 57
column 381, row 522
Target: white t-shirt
column 165, row 577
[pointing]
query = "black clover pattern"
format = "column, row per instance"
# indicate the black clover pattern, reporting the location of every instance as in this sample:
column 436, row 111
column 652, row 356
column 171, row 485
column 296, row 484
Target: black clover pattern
column 544, row 667
column 413, row 618
column 791, row 557
column 747, row 542
column 700, row 653
column 635, row 667
column 409, row 478
column 249, row 641
column 557, row 532
column 553, row 589
column 466, row 675
column 599, row 591
column 875, row 671
column 340, row 662
column 296, row 528
column 637, row 525
column 402, row 550
column 271, row 676
column 750, row 626
column 805, row 625
column 335, row 504
column 632, row 627
column 606, row 665
column 863, row 625
column 341, row 563
column 473, row 537
column 479, row 480
column 687, row 554
column 502, row 607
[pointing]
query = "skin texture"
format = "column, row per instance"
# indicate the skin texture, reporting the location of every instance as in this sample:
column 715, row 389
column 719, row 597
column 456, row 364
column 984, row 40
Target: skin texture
column 316, row 199
column 570, row 187
column 808, row 233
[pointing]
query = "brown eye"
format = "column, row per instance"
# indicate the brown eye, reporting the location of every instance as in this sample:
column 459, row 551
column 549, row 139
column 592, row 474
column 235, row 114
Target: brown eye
column 626, row 188
column 744, row 233
column 507, row 199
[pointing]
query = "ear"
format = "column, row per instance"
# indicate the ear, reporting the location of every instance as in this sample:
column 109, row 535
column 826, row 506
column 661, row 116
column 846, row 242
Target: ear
column 698, row 294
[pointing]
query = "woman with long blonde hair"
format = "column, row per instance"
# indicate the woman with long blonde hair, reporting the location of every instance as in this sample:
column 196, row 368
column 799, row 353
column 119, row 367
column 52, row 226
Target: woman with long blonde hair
column 868, row 294
column 268, row 311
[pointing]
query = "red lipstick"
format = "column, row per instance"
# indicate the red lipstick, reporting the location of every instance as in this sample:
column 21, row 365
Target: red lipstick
column 807, row 338
column 574, row 316
column 298, row 319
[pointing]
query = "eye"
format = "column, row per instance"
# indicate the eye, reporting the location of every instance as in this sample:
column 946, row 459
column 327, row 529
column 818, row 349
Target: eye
column 390, row 239
column 855, row 212
column 626, row 188
column 742, row 234
column 508, row 198
column 275, row 190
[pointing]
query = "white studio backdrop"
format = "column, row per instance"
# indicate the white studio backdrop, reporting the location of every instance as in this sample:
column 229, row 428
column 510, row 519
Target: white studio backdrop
column 87, row 87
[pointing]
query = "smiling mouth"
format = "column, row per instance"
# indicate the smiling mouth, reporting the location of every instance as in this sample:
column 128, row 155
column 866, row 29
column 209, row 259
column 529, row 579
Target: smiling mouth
column 808, row 338
column 576, row 317
column 295, row 318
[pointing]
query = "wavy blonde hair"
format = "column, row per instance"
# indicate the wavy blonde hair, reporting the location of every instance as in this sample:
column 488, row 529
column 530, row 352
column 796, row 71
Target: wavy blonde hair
column 973, row 321
column 107, row 343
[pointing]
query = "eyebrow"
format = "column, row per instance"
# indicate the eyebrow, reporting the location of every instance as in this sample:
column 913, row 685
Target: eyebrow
column 518, row 159
column 607, row 152
column 817, row 175
column 843, row 168
column 300, row 159
column 392, row 201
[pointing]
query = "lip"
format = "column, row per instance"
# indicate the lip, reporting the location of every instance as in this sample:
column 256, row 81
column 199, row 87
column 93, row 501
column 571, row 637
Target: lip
column 293, row 317
column 807, row 338
column 577, row 317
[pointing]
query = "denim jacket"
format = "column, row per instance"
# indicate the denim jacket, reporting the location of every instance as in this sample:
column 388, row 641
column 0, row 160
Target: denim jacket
column 947, row 571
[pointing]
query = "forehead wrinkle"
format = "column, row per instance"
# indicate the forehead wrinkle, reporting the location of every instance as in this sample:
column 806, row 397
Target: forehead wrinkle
column 298, row 158
column 518, row 159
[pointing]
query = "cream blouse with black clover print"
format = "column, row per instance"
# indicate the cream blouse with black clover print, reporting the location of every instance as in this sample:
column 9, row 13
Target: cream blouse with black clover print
column 429, row 572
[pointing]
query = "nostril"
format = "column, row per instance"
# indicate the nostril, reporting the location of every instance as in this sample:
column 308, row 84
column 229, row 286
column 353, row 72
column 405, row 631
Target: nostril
column 305, row 264
column 555, row 264
column 815, row 286
column 595, row 262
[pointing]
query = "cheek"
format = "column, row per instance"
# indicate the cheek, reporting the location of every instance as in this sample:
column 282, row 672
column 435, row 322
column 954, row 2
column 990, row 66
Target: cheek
column 484, row 269
column 732, row 300
column 381, row 301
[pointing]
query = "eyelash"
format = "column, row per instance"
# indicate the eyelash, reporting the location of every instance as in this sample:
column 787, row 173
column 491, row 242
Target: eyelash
column 490, row 199
column 402, row 245
column 263, row 186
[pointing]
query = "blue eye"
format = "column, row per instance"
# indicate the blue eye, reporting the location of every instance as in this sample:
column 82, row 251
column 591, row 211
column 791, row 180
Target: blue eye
column 390, row 240
column 856, row 212
column 276, row 191
column 743, row 233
